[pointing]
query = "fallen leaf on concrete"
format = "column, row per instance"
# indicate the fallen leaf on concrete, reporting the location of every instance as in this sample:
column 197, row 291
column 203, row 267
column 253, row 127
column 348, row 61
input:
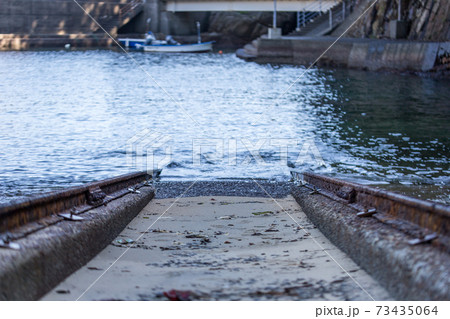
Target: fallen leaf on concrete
column 63, row 291
column 160, row 231
column 338, row 281
column 178, row 295
column 170, row 248
column 94, row 268
column 196, row 236
column 262, row 213
column 205, row 240
column 226, row 217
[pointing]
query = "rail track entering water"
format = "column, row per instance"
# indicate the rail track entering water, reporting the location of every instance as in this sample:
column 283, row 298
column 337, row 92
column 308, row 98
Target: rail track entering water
column 46, row 238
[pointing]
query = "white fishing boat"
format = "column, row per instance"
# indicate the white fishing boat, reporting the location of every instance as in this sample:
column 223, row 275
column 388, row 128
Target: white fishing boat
column 176, row 48
column 151, row 44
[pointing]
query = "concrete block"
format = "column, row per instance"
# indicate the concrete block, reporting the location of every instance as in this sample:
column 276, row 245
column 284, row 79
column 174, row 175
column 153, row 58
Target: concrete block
column 358, row 55
column 374, row 56
column 19, row 7
column 45, row 24
column 4, row 23
column 42, row 7
column 338, row 55
column 430, row 55
column 444, row 48
column 4, row 7
column 274, row 33
column 398, row 29
column 20, row 24
column 306, row 52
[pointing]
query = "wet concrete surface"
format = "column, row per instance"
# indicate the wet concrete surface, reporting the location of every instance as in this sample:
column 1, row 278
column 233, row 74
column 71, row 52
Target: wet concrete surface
column 220, row 248
column 239, row 187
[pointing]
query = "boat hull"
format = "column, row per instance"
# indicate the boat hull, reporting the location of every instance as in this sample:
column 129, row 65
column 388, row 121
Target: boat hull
column 181, row 48
column 131, row 43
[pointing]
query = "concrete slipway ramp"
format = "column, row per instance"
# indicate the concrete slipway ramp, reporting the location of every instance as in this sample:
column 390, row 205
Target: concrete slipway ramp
column 234, row 240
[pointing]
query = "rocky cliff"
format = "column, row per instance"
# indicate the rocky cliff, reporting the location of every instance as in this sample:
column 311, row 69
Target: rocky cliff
column 427, row 20
column 234, row 29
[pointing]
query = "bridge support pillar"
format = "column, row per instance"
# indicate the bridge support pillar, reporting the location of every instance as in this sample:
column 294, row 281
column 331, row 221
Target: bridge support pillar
column 152, row 11
column 274, row 33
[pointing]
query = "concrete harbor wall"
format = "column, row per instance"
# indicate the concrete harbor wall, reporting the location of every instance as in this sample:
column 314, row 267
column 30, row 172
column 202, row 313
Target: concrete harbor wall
column 52, row 16
column 26, row 24
column 415, row 38
column 365, row 54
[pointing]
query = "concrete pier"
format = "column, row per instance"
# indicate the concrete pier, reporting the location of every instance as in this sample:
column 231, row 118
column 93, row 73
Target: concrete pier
column 368, row 54
column 223, row 240
column 221, row 248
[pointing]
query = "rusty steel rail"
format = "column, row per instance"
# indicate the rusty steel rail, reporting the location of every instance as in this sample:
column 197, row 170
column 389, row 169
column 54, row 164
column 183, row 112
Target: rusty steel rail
column 92, row 195
column 370, row 200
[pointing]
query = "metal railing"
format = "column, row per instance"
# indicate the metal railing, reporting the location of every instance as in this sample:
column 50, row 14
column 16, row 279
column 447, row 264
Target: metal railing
column 336, row 14
column 304, row 17
column 312, row 11
column 339, row 16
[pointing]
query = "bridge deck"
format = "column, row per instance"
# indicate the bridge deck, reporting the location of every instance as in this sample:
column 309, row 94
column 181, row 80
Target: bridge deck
column 251, row 5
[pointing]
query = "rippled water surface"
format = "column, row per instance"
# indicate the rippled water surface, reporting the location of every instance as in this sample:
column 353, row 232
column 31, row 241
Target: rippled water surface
column 68, row 117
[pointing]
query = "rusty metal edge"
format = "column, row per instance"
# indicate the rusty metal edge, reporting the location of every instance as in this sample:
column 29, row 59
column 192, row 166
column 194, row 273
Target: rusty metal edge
column 403, row 199
column 20, row 212
column 426, row 214
column 50, row 255
column 408, row 272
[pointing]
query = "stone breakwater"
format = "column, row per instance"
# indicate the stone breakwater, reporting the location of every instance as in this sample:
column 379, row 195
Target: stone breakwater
column 368, row 54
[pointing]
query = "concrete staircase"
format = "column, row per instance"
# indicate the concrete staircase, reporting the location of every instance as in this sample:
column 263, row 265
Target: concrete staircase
column 316, row 26
column 249, row 52
column 320, row 24
column 127, row 12
column 76, row 28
